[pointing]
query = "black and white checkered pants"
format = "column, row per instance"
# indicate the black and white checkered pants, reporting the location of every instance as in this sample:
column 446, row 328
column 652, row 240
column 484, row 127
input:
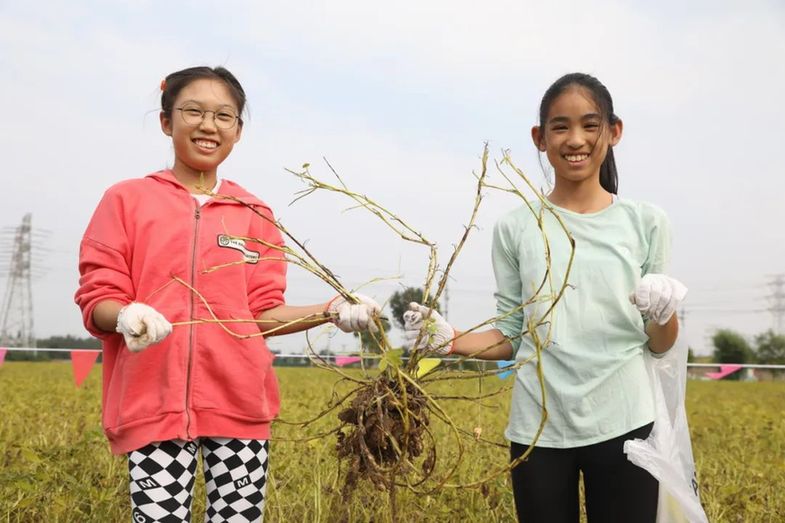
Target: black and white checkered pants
column 163, row 473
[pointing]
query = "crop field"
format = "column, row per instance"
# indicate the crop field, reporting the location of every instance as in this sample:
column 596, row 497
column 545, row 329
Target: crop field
column 55, row 465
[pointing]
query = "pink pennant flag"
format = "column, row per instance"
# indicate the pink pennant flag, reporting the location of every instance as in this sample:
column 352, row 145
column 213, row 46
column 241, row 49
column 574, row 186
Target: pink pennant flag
column 81, row 363
column 725, row 370
column 346, row 360
column 2, row 356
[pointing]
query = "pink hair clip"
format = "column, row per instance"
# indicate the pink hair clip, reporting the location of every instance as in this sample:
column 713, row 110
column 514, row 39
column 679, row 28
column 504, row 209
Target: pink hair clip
column 163, row 84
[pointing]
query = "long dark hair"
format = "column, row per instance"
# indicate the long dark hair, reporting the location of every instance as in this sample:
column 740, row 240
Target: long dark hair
column 609, row 178
column 177, row 81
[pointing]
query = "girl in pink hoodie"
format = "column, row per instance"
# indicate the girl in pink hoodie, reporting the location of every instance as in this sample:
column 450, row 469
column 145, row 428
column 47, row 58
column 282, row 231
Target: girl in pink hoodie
column 152, row 242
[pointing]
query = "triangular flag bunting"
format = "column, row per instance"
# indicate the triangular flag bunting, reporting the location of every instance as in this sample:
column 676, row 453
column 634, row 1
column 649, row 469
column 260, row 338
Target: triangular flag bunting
column 2, row 355
column 426, row 365
column 346, row 360
column 504, row 364
column 725, row 370
column 81, row 363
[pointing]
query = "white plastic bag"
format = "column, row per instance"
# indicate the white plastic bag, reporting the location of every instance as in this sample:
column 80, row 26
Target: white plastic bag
column 667, row 452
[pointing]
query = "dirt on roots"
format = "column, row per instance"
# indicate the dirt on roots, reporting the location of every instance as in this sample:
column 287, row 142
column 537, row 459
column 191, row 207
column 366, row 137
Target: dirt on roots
column 385, row 430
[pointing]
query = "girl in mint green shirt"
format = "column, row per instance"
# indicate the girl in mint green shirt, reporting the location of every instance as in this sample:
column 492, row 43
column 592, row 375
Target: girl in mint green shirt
column 619, row 303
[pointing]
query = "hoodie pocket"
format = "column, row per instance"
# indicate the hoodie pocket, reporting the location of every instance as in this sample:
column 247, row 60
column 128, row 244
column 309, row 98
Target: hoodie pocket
column 232, row 368
column 146, row 384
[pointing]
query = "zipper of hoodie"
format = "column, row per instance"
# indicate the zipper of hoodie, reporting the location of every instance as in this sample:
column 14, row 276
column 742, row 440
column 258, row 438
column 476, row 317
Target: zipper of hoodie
column 197, row 216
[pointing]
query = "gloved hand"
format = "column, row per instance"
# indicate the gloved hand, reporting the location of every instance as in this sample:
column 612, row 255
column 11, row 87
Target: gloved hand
column 141, row 326
column 438, row 334
column 657, row 296
column 353, row 317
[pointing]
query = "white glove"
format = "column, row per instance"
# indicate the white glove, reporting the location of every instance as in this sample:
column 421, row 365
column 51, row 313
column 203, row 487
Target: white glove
column 657, row 296
column 438, row 334
column 353, row 317
column 141, row 326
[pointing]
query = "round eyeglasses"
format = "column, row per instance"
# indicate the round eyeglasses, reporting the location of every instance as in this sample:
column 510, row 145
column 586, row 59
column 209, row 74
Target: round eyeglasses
column 223, row 118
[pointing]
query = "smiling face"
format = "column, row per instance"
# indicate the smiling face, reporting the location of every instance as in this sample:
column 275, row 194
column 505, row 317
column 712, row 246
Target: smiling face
column 201, row 147
column 575, row 136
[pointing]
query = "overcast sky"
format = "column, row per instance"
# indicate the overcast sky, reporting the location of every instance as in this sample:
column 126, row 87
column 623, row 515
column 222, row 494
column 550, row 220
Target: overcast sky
column 400, row 99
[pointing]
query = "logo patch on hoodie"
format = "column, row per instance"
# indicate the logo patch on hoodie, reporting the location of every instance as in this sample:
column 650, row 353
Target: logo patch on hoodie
column 226, row 241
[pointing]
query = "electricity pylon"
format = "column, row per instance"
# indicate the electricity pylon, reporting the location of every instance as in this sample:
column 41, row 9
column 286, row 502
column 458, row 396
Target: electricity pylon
column 16, row 314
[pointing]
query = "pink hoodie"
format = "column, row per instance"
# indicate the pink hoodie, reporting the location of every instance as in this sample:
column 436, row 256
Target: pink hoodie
column 200, row 380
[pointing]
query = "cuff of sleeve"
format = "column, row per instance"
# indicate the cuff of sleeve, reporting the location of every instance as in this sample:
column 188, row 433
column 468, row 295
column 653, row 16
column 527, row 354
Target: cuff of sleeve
column 266, row 305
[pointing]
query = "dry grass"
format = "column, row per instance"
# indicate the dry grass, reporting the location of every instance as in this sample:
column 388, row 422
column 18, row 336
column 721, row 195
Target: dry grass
column 55, row 464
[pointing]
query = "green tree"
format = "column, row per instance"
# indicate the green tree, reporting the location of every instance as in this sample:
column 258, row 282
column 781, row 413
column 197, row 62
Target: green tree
column 770, row 348
column 369, row 343
column 399, row 303
column 731, row 347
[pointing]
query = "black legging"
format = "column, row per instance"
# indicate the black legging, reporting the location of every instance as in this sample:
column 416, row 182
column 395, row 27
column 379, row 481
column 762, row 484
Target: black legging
column 545, row 485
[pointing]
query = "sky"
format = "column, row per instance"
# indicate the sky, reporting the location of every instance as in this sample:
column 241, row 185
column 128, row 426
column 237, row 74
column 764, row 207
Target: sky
column 400, row 98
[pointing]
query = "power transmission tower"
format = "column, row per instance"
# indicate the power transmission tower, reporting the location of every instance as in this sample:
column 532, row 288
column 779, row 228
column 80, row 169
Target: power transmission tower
column 777, row 301
column 16, row 314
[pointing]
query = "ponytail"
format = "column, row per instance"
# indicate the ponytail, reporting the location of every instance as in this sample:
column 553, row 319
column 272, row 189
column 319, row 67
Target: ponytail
column 609, row 178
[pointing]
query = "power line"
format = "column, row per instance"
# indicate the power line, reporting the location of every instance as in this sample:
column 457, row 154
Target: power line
column 716, row 310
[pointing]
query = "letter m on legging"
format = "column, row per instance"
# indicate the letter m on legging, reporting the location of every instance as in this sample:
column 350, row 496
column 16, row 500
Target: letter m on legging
column 242, row 482
column 148, row 483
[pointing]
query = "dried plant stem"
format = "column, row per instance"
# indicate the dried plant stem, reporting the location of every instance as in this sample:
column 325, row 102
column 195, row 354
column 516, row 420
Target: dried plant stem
column 222, row 322
column 384, row 418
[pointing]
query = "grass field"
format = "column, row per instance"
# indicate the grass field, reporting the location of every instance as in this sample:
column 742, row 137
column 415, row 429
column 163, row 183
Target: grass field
column 55, row 465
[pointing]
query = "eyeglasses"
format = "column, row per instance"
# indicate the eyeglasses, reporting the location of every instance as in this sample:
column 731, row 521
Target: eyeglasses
column 223, row 118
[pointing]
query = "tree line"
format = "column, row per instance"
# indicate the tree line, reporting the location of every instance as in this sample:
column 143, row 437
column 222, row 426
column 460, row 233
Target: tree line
column 55, row 342
column 729, row 346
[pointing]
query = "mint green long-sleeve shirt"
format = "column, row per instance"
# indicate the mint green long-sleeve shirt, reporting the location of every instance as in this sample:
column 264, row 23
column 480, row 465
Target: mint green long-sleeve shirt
column 593, row 342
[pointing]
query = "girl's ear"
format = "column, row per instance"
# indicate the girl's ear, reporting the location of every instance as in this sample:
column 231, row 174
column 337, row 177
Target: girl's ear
column 166, row 124
column 616, row 132
column 239, row 132
column 538, row 139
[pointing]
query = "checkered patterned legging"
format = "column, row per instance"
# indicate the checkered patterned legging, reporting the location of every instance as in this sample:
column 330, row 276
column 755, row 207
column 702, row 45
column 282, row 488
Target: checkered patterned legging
column 163, row 473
